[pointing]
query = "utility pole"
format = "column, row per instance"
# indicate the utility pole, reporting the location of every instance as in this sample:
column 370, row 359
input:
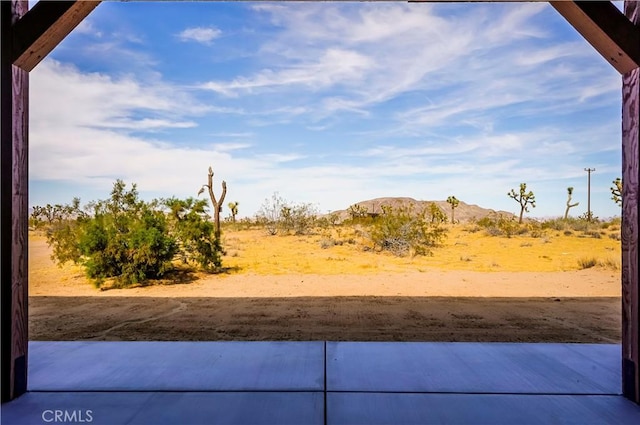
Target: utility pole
column 589, row 170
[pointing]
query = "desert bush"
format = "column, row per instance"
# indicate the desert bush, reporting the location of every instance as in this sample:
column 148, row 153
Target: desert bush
column 592, row 233
column 558, row 224
column 245, row 223
column 587, row 263
column 580, row 224
column 402, row 232
column 270, row 213
column 608, row 263
column 536, row 230
column 328, row 221
column 611, row 263
column 437, row 215
column 49, row 216
column 493, row 231
column 277, row 216
column 125, row 238
column 131, row 240
column 501, row 226
column 327, row 243
column 303, row 219
column 473, row 228
column 357, row 211
column 190, row 226
column 589, row 218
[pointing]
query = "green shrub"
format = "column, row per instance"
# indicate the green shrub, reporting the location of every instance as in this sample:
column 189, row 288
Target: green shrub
column 580, row 224
column 402, row 232
column 194, row 233
column 556, row 224
column 131, row 240
column 130, row 248
column 501, row 226
column 437, row 215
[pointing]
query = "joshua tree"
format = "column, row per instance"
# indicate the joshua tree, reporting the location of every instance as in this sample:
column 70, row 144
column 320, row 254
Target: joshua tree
column 357, row 210
column 233, row 207
column 437, row 215
column 524, row 198
column 217, row 205
column 569, row 204
column 453, row 201
column 616, row 191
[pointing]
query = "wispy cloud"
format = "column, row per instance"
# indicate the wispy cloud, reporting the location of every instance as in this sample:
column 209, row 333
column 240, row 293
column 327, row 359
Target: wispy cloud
column 379, row 52
column 204, row 35
column 87, row 27
column 84, row 132
column 228, row 147
column 336, row 66
column 337, row 103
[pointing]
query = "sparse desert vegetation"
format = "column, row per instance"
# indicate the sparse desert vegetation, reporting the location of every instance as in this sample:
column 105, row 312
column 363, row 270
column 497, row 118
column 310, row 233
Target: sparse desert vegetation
column 495, row 243
column 405, row 272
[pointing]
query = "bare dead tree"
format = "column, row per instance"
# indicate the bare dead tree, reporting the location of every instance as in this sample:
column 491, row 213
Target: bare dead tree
column 569, row 204
column 217, row 204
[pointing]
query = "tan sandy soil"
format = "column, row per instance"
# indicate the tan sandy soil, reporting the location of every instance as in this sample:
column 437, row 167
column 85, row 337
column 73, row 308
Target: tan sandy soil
column 572, row 306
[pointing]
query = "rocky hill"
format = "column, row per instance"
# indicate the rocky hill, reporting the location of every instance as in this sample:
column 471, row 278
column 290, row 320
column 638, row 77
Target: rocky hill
column 463, row 213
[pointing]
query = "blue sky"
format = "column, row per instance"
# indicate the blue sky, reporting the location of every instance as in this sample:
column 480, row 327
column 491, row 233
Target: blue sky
column 327, row 103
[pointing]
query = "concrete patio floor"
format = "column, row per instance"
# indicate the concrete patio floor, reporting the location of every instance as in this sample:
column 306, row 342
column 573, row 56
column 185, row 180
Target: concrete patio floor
column 321, row 382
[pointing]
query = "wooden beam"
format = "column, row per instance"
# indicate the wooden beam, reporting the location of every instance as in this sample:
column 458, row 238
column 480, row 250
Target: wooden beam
column 630, row 223
column 607, row 29
column 14, row 198
column 44, row 27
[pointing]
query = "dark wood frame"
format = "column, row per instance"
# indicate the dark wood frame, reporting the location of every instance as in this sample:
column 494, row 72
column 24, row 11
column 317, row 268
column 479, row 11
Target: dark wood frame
column 29, row 35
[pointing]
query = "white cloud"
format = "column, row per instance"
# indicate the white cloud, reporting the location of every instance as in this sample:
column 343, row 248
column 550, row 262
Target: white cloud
column 202, row 35
column 79, row 134
column 440, row 104
column 65, row 95
column 373, row 53
column 147, row 124
column 228, row 147
column 336, row 66
column 87, row 27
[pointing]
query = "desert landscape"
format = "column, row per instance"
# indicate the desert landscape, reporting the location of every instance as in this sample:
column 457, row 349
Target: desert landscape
column 552, row 286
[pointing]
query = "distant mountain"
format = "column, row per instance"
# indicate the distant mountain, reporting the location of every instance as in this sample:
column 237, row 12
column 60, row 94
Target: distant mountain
column 463, row 213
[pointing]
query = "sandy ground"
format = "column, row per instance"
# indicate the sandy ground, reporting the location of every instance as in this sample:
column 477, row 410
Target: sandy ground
column 575, row 306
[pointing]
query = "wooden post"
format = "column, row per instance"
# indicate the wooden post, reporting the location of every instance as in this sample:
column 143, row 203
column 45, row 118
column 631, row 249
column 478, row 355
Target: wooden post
column 630, row 190
column 14, row 206
column 630, row 173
